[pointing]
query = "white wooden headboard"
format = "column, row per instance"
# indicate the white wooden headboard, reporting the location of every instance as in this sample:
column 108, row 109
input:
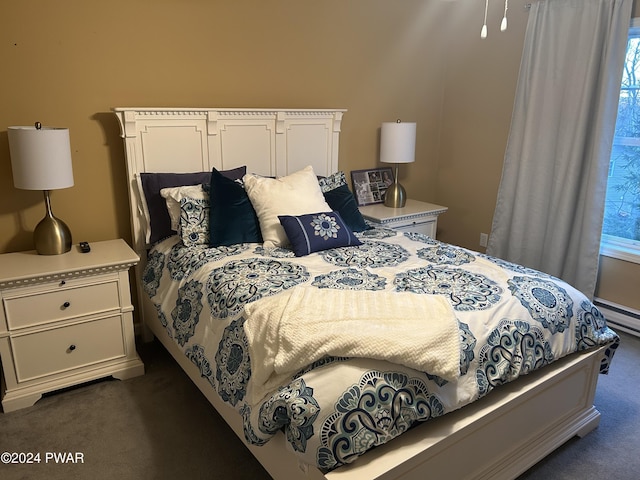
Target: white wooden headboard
column 273, row 142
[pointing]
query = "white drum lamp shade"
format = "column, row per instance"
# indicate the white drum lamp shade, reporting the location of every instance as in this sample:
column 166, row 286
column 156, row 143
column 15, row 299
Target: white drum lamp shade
column 41, row 160
column 397, row 145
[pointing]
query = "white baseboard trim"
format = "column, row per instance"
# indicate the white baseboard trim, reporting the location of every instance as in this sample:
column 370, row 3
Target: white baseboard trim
column 619, row 317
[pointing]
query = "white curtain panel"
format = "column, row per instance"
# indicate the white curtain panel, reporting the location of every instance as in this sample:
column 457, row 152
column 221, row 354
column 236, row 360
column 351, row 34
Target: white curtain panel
column 550, row 202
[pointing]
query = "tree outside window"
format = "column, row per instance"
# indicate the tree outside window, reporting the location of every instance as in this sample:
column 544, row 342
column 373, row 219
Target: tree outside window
column 622, row 208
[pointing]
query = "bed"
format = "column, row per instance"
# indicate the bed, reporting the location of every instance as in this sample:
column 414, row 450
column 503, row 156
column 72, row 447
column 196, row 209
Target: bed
column 266, row 311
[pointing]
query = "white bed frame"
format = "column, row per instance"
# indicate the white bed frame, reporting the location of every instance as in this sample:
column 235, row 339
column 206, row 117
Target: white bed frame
column 498, row 437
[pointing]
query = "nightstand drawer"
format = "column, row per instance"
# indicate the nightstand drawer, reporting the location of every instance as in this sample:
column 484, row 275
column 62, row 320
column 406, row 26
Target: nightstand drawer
column 59, row 349
column 61, row 303
column 426, row 228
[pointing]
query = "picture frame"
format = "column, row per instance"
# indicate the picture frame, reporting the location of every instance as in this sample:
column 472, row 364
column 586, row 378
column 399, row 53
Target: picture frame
column 369, row 185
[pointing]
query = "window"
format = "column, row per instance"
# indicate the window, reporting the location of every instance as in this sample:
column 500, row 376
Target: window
column 621, row 227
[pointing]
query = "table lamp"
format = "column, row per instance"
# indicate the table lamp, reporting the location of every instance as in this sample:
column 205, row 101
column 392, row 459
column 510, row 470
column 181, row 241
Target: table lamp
column 397, row 145
column 41, row 160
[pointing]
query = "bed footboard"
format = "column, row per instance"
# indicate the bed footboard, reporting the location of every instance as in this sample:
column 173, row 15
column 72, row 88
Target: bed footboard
column 499, row 436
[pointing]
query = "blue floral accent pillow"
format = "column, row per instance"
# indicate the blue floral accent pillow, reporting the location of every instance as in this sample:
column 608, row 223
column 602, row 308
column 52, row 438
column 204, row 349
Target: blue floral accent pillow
column 314, row 232
column 188, row 208
column 194, row 221
column 334, row 180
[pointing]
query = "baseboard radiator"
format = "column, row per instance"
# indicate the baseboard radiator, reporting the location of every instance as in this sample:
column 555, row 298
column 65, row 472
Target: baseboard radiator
column 620, row 317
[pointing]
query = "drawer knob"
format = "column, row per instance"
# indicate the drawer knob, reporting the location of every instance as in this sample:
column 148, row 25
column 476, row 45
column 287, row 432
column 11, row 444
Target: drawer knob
column 66, row 304
column 72, row 347
column 62, row 283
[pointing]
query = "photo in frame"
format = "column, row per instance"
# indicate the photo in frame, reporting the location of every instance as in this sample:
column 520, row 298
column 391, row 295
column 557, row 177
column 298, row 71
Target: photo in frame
column 370, row 184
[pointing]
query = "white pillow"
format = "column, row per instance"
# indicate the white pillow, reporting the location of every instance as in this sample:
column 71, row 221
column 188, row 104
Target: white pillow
column 173, row 195
column 295, row 194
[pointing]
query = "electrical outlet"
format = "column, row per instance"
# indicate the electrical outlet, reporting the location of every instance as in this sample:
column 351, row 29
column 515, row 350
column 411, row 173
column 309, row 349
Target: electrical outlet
column 484, row 239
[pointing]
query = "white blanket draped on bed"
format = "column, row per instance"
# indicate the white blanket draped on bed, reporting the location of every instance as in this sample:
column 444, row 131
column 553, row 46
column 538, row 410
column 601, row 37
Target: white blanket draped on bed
column 289, row 331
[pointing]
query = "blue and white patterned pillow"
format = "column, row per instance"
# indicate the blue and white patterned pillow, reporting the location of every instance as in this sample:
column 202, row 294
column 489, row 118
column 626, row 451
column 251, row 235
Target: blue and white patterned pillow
column 173, row 196
column 314, row 232
column 332, row 182
column 194, row 221
column 188, row 208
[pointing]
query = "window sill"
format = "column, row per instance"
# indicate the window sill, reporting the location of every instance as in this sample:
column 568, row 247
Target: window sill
column 620, row 252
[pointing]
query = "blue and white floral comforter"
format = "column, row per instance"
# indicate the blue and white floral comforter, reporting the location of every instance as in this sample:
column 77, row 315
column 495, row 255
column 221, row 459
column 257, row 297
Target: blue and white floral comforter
column 511, row 319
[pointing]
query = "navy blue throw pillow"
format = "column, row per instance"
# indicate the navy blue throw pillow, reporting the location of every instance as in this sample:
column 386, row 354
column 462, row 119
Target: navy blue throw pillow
column 232, row 218
column 314, row 232
column 341, row 200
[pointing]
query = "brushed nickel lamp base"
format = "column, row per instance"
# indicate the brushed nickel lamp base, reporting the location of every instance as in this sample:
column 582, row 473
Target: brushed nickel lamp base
column 395, row 195
column 52, row 236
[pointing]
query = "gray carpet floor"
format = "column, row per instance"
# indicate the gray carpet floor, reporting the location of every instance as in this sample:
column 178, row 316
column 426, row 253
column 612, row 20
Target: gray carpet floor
column 159, row 426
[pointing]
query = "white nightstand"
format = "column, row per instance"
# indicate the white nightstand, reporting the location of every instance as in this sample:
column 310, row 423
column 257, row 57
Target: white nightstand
column 65, row 319
column 415, row 216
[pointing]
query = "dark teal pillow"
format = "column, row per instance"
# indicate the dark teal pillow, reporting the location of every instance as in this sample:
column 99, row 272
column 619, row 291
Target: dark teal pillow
column 232, row 218
column 341, row 200
column 314, row 232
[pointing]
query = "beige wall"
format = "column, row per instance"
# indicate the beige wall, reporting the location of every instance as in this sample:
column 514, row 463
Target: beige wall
column 67, row 63
column 480, row 82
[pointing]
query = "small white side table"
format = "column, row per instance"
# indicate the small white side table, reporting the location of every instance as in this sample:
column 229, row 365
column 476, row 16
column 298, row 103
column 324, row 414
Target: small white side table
column 415, row 216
